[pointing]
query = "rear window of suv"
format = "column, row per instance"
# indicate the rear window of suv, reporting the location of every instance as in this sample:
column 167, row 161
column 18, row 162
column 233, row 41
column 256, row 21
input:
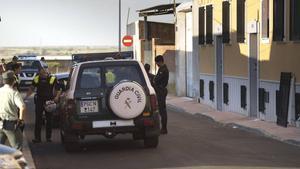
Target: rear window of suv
column 115, row 74
column 90, row 78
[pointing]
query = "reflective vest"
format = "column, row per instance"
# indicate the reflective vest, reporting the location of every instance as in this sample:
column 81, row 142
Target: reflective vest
column 44, row 86
column 110, row 77
column 37, row 79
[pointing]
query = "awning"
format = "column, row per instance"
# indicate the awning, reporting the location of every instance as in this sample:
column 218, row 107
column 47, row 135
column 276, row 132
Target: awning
column 158, row 10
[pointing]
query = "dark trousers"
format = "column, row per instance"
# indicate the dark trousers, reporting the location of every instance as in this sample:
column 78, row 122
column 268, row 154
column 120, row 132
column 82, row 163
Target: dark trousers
column 39, row 109
column 161, row 99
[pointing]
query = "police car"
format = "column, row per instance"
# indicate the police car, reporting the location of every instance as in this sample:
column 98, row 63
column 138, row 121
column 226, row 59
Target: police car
column 109, row 97
column 30, row 68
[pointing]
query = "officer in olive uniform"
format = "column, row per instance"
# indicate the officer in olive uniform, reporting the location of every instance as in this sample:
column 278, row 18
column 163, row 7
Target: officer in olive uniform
column 16, row 68
column 11, row 104
column 160, row 84
column 47, row 89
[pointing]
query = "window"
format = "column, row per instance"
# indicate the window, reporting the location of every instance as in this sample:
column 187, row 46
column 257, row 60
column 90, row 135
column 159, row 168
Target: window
column 243, row 97
column 201, row 25
column 295, row 20
column 226, row 21
column 241, row 21
column 201, row 88
column 211, row 90
column 226, row 93
column 265, row 19
column 278, row 20
column 115, row 74
column 90, row 78
column 209, row 24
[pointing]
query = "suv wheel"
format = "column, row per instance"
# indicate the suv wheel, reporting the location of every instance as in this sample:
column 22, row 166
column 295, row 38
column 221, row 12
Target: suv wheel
column 137, row 135
column 70, row 141
column 151, row 142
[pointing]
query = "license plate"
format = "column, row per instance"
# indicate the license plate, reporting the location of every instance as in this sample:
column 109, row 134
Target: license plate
column 89, row 106
column 28, row 83
column 113, row 123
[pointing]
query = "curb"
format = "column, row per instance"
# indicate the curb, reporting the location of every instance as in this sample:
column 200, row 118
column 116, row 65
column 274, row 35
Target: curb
column 264, row 133
column 245, row 128
column 27, row 153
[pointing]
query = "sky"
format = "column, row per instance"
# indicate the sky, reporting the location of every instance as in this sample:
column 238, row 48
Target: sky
column 68, row 22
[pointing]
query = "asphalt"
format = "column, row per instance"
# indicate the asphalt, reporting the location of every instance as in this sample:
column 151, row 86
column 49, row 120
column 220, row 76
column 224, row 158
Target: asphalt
column 290, row 134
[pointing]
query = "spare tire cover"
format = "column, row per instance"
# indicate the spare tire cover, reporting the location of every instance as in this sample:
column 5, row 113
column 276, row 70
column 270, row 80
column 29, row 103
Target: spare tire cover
column 127, row 99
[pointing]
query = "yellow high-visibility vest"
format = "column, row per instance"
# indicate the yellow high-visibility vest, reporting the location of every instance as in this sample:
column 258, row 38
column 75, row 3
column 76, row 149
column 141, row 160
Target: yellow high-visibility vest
column 110, row 77
column 37, row 79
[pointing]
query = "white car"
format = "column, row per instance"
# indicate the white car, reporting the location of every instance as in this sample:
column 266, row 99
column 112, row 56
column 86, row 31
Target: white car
column 30, row 68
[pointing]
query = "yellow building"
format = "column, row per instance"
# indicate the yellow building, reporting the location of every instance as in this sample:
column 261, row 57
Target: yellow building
column 244, row 45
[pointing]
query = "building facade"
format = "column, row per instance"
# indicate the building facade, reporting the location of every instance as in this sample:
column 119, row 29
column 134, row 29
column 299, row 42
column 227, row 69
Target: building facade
column 159, row 40
column 241, row 48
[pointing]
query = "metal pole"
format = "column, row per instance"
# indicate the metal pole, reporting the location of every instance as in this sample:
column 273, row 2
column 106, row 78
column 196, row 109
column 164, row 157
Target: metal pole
column 174, row 10
column 120, row 26
column 127, row 21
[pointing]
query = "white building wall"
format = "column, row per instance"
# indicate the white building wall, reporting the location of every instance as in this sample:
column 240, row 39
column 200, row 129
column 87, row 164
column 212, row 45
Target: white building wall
column 207, row 78
column 270, row 112
column 234, row 95
column 180, row 55
column 137, row 43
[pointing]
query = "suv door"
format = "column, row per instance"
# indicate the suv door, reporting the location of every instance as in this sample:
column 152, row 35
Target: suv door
column 95, row 83
column 89, row 95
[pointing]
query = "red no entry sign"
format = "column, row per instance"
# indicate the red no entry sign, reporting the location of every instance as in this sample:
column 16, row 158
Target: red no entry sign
column 127, row 40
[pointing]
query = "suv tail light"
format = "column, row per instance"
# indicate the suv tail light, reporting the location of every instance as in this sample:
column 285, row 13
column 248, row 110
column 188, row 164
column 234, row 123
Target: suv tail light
column 153, row 102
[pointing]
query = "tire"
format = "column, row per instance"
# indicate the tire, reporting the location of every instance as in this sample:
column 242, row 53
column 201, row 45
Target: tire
column 137, row 135
column 151, row 142
column 127, row 99
column 70, row 141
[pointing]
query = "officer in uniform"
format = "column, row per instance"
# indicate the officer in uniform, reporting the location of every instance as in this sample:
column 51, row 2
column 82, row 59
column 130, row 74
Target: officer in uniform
column 16, row 68
column 150, row 75
column 11, row 63
column 47, row 89
column 12, row 109
column 160, row 85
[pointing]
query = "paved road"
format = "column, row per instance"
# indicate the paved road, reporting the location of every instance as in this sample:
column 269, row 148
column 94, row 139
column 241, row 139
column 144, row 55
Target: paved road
column 193, row 142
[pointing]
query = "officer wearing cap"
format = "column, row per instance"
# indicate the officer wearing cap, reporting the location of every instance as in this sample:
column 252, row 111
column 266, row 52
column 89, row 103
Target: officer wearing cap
column 10, row 64
column 11, row 104
column 160, row 85
column 47, row 89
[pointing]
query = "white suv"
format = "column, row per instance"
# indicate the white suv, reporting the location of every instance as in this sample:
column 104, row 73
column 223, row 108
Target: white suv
column 30, row 68
column 109, row 97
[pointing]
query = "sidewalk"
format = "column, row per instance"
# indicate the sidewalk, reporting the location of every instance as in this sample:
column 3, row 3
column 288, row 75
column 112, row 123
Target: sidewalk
column 289, row 135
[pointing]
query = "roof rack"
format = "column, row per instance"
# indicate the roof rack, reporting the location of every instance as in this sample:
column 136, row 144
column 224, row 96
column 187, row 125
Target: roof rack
column 83, row 57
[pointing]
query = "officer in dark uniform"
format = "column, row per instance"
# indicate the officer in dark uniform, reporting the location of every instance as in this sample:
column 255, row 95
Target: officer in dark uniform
column 160, row 84
column 47, row 89
column 150, row 75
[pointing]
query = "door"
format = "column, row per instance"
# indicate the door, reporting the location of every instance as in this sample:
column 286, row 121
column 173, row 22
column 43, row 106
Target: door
column 253, row 76
column 189, row 54
column 219, row 72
